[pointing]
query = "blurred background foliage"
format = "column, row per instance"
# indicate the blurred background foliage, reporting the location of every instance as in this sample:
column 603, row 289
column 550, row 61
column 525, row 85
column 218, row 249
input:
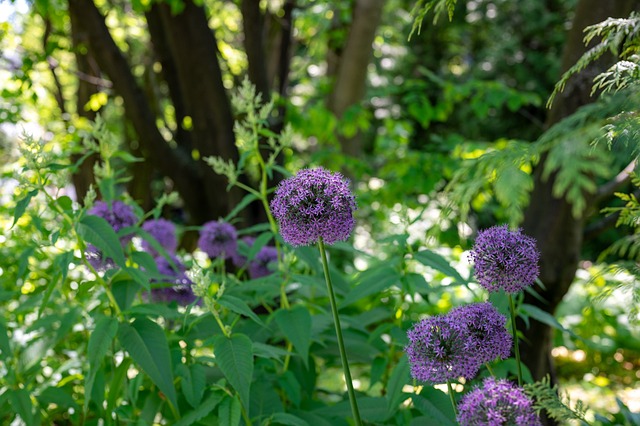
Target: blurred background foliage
column 406, row 118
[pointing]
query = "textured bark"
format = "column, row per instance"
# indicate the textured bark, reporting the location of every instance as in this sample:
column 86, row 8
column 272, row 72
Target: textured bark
column 194, row 54
column 549, row 219
column 352, row 62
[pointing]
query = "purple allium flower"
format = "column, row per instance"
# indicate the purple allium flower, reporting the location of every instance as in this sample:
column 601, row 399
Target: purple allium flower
column 164, row 231
column 438, row 350
column 314, row 204
column 180, row 288
column 118, row 214
column 259, row 266
column 486, row 327
column 504, row 259
column 497, row 403
column 217, row 239
column 96, row 258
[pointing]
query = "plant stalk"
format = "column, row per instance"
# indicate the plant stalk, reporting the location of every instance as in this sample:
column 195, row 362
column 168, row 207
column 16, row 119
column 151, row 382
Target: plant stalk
column 514, row 330
column 336, row 321
column 453, row 399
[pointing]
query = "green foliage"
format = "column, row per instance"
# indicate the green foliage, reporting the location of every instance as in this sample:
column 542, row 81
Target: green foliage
column 423, row 7
column 547, row 398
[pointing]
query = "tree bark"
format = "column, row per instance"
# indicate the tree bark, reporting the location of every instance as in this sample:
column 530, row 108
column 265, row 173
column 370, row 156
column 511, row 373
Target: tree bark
column 353, row 60
column 549, row 219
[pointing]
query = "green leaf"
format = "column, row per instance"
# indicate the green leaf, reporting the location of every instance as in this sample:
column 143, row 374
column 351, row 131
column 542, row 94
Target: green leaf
column 117, row 384
column 435, row 404
column 399, row 378
column 288, row 419
column 296, row 326
column 234, row 356
column 267, row 351
column 97, row 231
column 193, row 383
column 99, row 342
column 372, row 282
column 238, row 306
column 21, row 206
column 260, row 242
column 230, row 411
column 205, row 408
column 21, row 403
column 545, row 318
column 61, row 264
column 439, row 263
column 146, row 343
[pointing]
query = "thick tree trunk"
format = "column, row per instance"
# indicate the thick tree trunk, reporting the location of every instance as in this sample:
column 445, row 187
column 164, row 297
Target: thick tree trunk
column 549, row 219
column 353, row 60
column 194, row 55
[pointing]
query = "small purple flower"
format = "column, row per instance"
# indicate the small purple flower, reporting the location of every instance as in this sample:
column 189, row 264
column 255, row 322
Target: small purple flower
column 217, row 239
column 438, row 351
column 164, row 231
column 96, row 258
column 504, row 259
column 497, row 403
column 314, row 204
column 179, row 288
column 260, row 265
column 118, row 214
column 486, row 327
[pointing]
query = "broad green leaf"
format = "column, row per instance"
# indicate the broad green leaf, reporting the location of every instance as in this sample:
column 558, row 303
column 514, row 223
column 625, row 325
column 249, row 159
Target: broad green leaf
column 193, row 383
column 373, row 283
column 21, row 206
column 399, row 378
column 62, row 397
column 5, row 344
column 545, row 318
column 230, row 411
column 124, row 291
column 207, row 406
column 238, row 306
column 99, row 342
column 97, row 231
column 117, row 384
column 291, row 387
column 296, row 326
column 435, row 404
column 439, row 263
column 234, row 356
column 146, row 343
column 288, row 419
column 372, row 409
column 260, row 242
column 21, row 403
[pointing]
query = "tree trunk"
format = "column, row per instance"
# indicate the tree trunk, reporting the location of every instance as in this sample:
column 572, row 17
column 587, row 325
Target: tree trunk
column 549, row 219
column 352, row 62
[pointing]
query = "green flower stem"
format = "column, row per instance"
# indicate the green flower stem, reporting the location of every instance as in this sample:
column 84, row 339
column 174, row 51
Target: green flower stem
column 490, row 369
column 514, row 330
column 453, row 399
column 336, row 321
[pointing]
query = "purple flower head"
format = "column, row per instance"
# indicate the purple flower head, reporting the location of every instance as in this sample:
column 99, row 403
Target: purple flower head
column 260, row 265
column 217, row 239
column 504, row 259
column 438, row 351
column 118, row 214
column 486, row 327
column 164, row 231
column 179, row 288
column 497, row 403
column 97, row 259
column 314, row 204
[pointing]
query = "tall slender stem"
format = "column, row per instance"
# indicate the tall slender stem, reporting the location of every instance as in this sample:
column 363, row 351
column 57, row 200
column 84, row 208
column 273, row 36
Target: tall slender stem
column 336, row 322
column 490, row 369
column 453, row 399
column 514, row 329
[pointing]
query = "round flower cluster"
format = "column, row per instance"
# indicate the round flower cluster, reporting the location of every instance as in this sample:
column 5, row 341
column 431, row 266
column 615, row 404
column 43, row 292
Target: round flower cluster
column 505, row 260
column 262, row 264
column 119, row 215
column 438, row 351
column 489, row 337
column 497, row 403
column 218, row 239
column 164, row 232
column 314, row 204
